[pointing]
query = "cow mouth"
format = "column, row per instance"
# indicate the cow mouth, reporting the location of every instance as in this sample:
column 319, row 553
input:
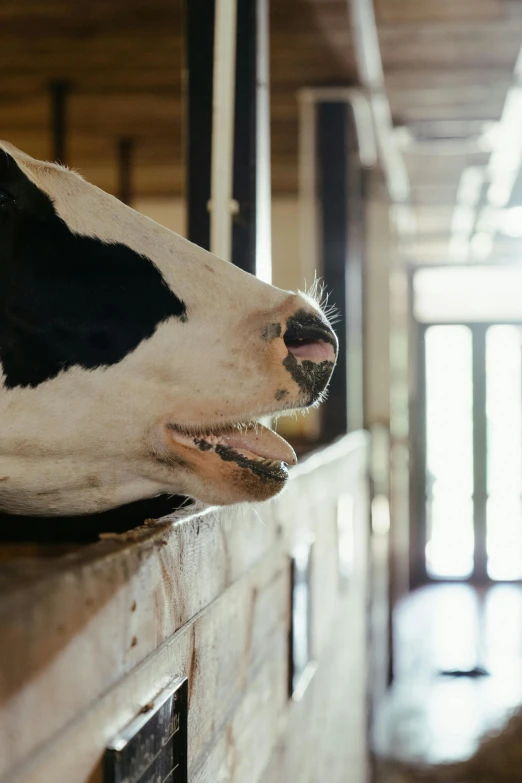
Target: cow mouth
column 251, row 446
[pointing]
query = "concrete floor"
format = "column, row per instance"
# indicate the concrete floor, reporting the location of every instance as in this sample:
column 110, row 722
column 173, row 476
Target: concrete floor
column 430, row 718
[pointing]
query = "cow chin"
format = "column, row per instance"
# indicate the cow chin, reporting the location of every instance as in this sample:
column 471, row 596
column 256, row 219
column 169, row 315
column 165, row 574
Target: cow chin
column 230, row 464
column 225, row 483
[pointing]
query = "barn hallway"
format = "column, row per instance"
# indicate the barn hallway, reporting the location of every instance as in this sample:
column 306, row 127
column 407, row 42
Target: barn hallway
column 364, row 625
column 431, row 718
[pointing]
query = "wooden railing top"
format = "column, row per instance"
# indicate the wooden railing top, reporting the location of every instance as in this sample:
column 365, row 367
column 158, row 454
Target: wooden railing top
column 16, row 573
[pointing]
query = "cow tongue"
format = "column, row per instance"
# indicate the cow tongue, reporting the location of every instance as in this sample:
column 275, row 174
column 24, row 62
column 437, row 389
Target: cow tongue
column 261, row 441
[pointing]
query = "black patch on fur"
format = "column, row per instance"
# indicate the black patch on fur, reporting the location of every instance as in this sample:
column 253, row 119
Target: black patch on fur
column 280, row 394
column 271, row 332
column 311, row 377
column 66, row 299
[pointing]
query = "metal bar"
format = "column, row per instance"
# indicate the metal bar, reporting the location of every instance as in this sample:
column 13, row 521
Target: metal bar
column 228, row 156
column 361, row 153
column 340, row 193
column 59, row 93
column 244, row 227
column 223, row 128
column 480, row 450
column 200, row 23
column 251, row 232
column 354, row 278
column 263, row 176
column 125, row 154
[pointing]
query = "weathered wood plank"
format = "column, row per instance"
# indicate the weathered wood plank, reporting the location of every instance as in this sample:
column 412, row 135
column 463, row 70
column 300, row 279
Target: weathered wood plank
column 115, row 610
column 221, row 675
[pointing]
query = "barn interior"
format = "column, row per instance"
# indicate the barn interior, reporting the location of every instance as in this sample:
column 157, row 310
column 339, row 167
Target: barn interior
column 374, row 146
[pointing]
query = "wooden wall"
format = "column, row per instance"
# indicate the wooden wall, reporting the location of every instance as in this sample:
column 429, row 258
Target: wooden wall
column 89, row 638
column 124, row 61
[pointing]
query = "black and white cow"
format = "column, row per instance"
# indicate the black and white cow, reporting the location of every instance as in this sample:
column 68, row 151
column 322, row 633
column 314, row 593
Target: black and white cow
column 132, row 362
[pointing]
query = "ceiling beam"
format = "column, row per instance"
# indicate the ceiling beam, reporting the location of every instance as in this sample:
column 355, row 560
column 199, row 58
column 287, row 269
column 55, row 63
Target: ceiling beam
column 368, row 57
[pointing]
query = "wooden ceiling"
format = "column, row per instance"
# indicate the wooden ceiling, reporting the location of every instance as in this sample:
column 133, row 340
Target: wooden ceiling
column 310, row 46
column 124, row 60
column 447, row 66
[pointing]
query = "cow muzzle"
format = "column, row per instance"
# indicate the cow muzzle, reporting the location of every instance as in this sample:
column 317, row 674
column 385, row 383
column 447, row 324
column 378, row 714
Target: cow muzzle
column 230, row 456
column 312, row 348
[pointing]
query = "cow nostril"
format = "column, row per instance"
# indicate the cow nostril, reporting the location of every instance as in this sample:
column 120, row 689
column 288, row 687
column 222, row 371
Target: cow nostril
column 311, row 350
column 298, row 342
column 307, row 337
column 307, row 328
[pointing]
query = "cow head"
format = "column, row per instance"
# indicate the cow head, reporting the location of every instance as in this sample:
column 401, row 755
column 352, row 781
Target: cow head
column 132, row 362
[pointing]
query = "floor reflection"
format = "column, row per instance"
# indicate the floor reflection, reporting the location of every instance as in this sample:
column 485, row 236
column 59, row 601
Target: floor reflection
column 432, row 718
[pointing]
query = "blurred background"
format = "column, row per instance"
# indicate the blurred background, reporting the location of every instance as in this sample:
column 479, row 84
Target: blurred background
column 395, row 154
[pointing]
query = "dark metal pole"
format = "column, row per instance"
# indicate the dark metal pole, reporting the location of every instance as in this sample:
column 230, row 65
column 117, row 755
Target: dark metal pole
column 355, row 278
column 251, row 239
column 341, row 200
column 261, row 85
column 251, row 234
column 332, row 182
column 125, row 155
column 245, row 162
column 199, row 16
column 59, row 90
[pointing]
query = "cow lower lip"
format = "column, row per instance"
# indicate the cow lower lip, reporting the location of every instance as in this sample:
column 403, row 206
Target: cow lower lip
column 264, row 468
column 249, row 446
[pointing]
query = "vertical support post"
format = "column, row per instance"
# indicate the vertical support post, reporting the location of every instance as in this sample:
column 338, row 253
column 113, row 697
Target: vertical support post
column 263, row 181
column 125, row 153
column 355, row 278
column 340, row 190
column 251, row 237
column 332, row 165
column 211, row 64
column 480, row 451
column 200, row 21
column 245, row 137
column 209, row 158
column 59, row 93
column 222, row 160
